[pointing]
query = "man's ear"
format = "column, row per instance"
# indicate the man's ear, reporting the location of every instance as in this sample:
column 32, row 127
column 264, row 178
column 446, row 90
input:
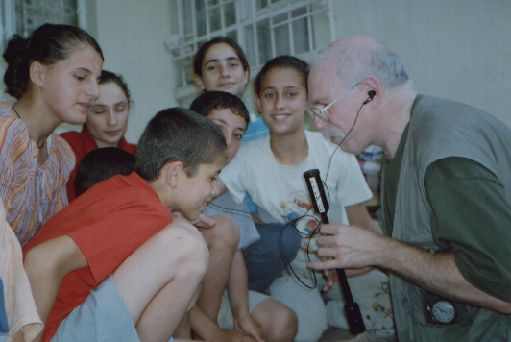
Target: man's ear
column 37, row 72
column 198, row 81
column 171, row 172
column 373, row 87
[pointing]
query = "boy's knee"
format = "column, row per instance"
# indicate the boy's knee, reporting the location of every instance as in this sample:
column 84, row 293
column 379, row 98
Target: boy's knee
column 284, row 325
column 185, row 248
column 225, row 235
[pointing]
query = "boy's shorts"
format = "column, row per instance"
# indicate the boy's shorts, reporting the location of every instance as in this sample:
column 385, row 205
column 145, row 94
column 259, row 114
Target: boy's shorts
column 103, row 317
column 267, row 258
column 225, row 319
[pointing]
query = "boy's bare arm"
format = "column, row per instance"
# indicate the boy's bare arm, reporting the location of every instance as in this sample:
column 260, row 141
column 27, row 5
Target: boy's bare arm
column 46, row 265
column 238, row 294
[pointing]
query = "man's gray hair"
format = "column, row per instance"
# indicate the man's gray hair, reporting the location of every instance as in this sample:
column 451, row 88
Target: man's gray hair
column 356, row 60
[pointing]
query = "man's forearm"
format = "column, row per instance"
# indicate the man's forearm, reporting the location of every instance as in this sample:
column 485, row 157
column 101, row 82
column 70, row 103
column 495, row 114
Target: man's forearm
column 435, row 272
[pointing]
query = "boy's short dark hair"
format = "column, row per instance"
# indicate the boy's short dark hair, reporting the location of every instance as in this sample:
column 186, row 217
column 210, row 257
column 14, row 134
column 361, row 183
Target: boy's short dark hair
column 178, row 134
column 101, row 164
column 213, row 100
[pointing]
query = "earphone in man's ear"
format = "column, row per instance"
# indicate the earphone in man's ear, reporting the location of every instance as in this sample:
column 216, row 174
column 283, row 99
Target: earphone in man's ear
column 371, row 94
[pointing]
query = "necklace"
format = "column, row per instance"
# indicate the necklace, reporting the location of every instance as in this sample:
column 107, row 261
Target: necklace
column 39, row 146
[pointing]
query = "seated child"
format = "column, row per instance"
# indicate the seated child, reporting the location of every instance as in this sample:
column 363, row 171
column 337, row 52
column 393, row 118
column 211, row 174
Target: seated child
column 102, row 164
column 117, row 264
column 249, row 310
column 271, row 170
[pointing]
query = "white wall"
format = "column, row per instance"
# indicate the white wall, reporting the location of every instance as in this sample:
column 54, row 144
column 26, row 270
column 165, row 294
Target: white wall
column 458, row 49
column 131, row 34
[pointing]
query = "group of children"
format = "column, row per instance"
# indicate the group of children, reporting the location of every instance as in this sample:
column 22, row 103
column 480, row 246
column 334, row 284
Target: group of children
column 162, row 250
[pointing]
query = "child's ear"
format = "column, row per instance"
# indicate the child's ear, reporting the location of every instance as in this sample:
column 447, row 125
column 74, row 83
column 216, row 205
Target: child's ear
column 37, row 71
column 246, row 74
column 199, row 82
column 171, row 172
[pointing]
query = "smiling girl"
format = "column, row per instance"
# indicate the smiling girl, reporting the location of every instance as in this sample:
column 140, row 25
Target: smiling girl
column 53, row 77
column 220, row 64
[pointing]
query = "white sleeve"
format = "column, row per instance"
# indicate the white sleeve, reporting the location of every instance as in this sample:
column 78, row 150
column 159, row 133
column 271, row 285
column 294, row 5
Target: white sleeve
column 232, row 176
column 352, row 187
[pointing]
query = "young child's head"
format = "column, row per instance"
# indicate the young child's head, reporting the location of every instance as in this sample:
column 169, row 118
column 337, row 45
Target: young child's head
column 101, row 164
column 107, row 121
column 181, row 153
column 281, row 94
column 64, row 61
column 221, row 64
column 228, row 112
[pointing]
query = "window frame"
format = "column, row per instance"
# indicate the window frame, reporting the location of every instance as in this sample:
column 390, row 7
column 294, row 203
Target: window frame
column 246, row 15
column 8, row 18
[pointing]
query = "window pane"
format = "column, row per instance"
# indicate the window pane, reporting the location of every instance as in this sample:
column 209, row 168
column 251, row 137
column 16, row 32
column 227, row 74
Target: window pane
column 279, row 18
column 232, row 34
column 300, row 35
column 187, row 13
column 320, row 30
column 200, row 17
column 261, row 4
column 250, row 45
column 215, row 20
column 229, row 14
column 188, row 70
column 200, row 43
column 180, row 73
column 282, row 40
column 299, row 12
column 263, row 41
column 30, row 14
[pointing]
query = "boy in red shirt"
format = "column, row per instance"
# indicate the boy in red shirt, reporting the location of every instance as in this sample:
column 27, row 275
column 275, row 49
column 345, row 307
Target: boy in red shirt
column 115, row 264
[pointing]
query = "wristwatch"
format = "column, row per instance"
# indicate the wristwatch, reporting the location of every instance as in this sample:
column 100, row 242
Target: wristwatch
column 442, row 312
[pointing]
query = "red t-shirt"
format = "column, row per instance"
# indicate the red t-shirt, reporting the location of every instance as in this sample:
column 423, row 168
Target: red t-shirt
column 82, row 143
column 108, row 223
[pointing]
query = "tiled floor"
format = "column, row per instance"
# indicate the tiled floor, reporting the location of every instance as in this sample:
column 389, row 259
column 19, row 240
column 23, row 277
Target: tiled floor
column 332, row 335
column 336, row 335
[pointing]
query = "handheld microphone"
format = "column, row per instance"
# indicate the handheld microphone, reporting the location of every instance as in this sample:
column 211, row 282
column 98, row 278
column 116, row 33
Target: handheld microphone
column 320, row 203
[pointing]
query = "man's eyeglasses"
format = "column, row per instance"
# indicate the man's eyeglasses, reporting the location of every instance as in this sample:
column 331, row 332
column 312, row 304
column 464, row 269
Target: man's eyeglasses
column 322, row 111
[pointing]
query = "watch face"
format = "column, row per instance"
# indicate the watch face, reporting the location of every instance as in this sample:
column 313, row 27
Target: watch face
column 443, row 312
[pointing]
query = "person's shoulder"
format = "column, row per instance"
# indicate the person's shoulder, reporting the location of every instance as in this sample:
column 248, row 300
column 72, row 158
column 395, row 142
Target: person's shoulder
column 319, row 144
column 253, row 148
column 8, row 119
column 126, row 146
column 131, row 189
column 439, row 114
column 70, row 135
column 14, row 134
column 319, row 140
column 62, row 151
column 74, row 139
